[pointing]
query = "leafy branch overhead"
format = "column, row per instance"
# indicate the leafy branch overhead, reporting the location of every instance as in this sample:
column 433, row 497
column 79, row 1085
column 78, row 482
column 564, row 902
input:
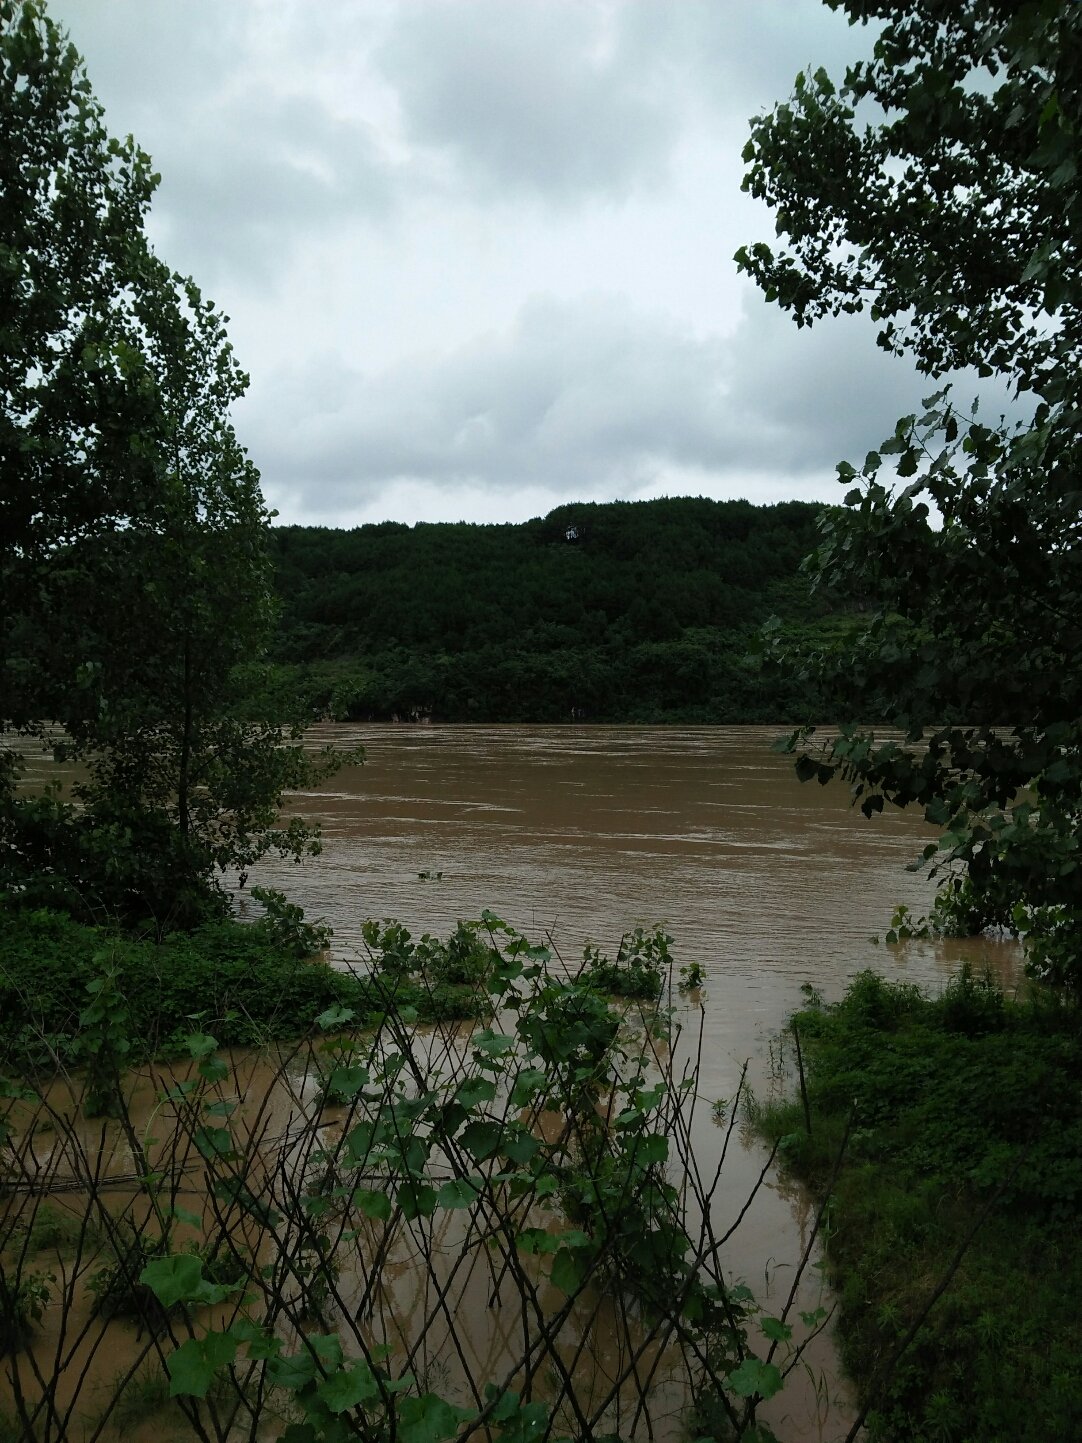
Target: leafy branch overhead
column 936, row 187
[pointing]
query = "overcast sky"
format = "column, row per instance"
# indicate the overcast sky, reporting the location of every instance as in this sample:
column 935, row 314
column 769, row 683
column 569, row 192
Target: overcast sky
column 477, row 254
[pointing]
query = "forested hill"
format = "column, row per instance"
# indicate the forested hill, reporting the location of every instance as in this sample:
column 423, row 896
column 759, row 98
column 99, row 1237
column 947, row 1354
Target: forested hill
column 627, row 611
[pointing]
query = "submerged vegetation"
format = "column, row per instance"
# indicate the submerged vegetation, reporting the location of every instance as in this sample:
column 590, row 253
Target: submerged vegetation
column 961, row 1129
column 294, row 1234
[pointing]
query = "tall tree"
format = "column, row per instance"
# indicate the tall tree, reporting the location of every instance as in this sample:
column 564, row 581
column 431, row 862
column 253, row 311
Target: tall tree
column 135, row 575
column 937, row 188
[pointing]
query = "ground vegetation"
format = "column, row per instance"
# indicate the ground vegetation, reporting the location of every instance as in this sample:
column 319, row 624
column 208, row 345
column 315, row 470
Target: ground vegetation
column 951, row 1228
column 289, row 1242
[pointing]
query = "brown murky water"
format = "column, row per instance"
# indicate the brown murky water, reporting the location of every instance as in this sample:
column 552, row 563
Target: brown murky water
column 577, row 834
column 582, row 833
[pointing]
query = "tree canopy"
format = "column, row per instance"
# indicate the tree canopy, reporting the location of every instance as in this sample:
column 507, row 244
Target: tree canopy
column 133, row 562
column 621, row 611
column 937, row 188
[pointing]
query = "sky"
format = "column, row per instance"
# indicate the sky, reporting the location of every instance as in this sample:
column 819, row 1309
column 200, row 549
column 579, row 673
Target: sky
column 477, row 254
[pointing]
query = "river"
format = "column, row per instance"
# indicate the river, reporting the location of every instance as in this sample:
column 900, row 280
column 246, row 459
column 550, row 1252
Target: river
column 577, row 834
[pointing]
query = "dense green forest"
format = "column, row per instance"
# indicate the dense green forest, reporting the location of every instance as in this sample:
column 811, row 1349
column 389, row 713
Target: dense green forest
column 644, row 611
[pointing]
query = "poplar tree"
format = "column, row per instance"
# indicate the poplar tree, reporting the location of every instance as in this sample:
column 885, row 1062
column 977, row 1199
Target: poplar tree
column 136, row 584
column 936, row 188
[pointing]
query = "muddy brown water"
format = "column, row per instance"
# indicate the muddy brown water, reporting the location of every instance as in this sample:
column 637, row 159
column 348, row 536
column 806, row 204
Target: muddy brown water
column 575, row 834
column 579, row 834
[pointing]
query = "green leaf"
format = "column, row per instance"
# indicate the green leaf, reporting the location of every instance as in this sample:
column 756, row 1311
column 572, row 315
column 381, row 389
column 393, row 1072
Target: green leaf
column 529, row 1080
column 416, row 1200
column 214, row 1142
column 180, row 1279
column 459, row 1192
column 475, row 1090
column 520, row 1146
column 335, row 1017
column 754, row 1378
column 566, row 1272
column 429, row 1418
column 776, row 1330
column 349, row 1387
column 193, row 1366
column 653, row 1148
column 481, row 1138
column 372, row 1204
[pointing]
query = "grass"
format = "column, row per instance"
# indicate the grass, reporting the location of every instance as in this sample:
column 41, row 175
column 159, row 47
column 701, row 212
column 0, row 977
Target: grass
column 235, row 975
column 955, row 1104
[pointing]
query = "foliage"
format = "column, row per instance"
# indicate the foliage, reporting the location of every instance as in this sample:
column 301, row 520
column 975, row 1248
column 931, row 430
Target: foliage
column 79, row 991
column 642, row 966
column 938, row 188
column 550, row 1163
column 284, row 923
column 649, row 616
column 133, row 563
column 952, row 1104
column 23, row 1300
column 692, row 976
column 441, row 981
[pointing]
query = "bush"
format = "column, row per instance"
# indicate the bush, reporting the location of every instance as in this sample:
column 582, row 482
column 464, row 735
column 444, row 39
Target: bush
column 234, row 974
column 957, row 1103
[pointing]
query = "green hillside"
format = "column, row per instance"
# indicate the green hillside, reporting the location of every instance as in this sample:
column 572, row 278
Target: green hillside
column 627, row 611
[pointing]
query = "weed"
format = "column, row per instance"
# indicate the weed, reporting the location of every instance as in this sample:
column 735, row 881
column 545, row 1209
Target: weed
column 954, row 1104
column 23, row 1300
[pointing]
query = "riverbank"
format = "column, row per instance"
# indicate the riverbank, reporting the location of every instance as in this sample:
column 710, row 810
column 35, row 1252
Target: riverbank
column 291, row 1211
column 953, row 1111
column 242, row 980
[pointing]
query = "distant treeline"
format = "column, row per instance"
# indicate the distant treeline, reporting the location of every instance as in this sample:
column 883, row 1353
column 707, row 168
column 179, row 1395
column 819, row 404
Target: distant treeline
column 642, row 611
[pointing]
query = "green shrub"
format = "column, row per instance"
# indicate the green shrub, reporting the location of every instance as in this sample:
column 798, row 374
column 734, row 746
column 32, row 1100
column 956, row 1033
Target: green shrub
column 956, row 1102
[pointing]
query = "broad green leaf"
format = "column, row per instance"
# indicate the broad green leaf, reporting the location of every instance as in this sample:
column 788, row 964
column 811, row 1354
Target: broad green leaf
column 529, row 1080
column 475, row 1090
column 372, row 1204
column 180, row 1279
column 754, row 1378
column 653, row 1148
column 214, row 1142
column 459, row 1192
column 349, row 1387
column 429, row 1419
column 520, row 1146
column 481, row 1138
column 566, row 1272
column 416, row 1200
column 335, row 1017
column 193, row 1366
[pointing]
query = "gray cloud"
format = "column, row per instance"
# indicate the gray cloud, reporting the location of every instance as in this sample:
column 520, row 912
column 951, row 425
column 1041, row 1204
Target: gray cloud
column 535, row 97
column 254, row 158
column 271, row 175
column 375, row 193
column 585, row 399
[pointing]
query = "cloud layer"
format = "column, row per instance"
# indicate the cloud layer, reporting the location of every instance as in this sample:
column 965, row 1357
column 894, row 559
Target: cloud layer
column 478, row 256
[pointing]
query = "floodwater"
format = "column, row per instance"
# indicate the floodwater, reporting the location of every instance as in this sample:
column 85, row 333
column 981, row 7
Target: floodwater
column 580, row 834
column 576, row 834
